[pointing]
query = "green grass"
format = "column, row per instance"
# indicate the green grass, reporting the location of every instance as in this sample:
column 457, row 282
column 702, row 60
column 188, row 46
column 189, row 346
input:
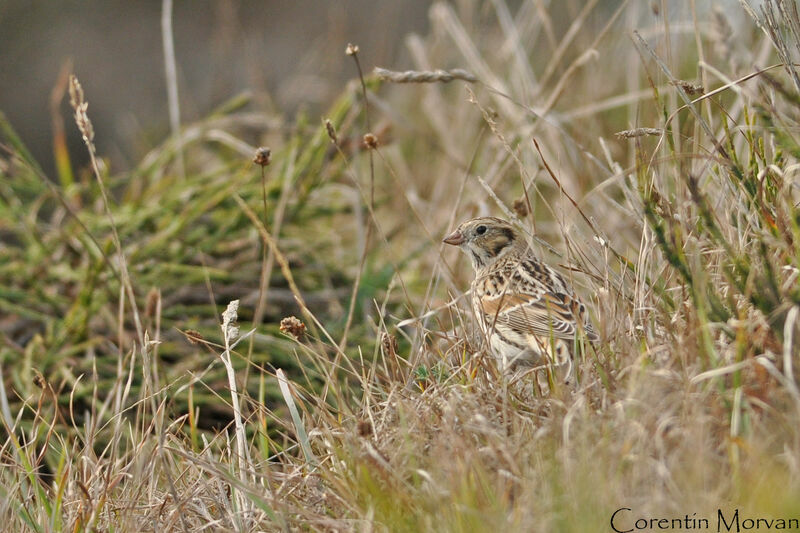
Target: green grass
column 387, row 413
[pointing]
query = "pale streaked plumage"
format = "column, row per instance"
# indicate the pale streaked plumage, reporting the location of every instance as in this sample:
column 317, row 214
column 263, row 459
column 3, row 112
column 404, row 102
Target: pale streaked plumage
column 524, row 307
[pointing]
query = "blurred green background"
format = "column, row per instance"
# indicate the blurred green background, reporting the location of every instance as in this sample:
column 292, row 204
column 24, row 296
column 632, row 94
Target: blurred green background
column 288, row 54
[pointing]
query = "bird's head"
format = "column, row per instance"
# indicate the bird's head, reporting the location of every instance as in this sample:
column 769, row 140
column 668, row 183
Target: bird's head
column 484, row 239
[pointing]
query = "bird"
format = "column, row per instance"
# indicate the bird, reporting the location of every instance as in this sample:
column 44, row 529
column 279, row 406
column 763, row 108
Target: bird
column 526, row 310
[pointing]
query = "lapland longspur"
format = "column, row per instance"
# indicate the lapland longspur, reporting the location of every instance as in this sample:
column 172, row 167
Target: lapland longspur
column 525, row 309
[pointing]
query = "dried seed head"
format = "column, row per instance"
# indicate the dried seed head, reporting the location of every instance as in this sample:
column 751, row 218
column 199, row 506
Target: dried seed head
column 351, row 50
column 262, row 156
column 291, row 325
column 80, row 105
column 424, row 76
column 331, row 131
column 39, row 381
column 370, row 141
column 520, row 207
column 193, row 336
column 690, row 88
column 389, row 343
column 152, row 302
column 229, row 317
column 638, row 132
column 364, row 428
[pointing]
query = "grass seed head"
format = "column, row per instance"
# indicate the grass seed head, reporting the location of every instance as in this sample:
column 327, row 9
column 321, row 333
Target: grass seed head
column 370, row 141
column 520, row 207
column 80, row 105
column 193, row 336
column 293, row 326
column 262, row 156
column 331, row 131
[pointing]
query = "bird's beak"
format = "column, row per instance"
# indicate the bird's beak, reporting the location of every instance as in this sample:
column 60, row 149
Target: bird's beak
column 456, row 238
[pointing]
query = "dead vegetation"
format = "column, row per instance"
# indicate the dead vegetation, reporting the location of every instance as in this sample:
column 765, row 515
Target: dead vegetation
column 347, row 389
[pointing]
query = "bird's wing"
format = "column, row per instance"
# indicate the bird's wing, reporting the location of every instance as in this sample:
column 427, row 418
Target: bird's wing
column 537, row 307
column 536, row 314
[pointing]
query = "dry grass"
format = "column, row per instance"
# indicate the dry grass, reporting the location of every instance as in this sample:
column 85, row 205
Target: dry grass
column 125, row 407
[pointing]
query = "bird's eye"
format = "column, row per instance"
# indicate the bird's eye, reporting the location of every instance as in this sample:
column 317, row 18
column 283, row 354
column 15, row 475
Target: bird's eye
column 480, row 230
